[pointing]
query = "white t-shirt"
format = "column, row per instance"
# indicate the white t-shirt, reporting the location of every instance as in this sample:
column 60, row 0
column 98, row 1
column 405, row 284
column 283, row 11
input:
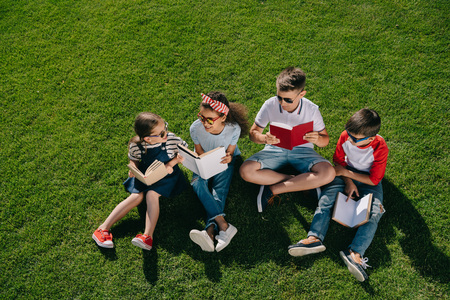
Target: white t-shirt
column 306, row 111
column 229, row 136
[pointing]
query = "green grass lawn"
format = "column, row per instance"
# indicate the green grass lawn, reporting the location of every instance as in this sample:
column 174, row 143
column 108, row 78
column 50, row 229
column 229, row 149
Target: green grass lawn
column 74, row 74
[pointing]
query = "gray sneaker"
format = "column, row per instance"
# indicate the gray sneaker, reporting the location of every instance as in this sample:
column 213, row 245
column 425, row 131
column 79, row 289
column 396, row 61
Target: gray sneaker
column 224, row 237
column 355, row 268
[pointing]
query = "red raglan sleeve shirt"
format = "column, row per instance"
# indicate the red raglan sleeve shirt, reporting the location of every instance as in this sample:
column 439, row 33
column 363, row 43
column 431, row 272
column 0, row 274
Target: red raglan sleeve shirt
column 371, row 158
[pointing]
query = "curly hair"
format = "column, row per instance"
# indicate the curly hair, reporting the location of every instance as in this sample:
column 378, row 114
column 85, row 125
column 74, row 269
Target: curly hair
column 237, row 113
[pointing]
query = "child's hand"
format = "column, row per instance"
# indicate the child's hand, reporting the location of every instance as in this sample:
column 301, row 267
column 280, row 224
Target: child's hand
column 271, row 139
column 227, row 158
column 169, row 169
column 351, row 190
column 130, row 174
column 312, row 137
column 179, row 158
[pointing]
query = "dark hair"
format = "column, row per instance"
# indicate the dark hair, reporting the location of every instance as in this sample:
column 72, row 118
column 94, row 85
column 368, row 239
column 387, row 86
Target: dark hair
column 144, row 123
column 365, row 121
column 237, row 113
column 290, row 79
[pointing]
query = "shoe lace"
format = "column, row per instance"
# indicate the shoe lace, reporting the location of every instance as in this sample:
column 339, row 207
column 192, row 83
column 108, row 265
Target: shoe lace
column 272, row 200
column 364, row 263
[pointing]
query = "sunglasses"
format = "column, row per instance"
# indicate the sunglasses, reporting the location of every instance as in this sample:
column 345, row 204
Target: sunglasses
column 355, row 140
column 210, row 121
column 163, row 133
column 288, row 100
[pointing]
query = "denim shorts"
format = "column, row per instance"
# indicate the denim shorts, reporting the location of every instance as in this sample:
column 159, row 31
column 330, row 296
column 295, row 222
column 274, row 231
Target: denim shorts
column 275, row 158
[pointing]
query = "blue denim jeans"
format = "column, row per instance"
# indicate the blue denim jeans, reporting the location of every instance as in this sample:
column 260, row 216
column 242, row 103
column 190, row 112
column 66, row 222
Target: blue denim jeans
column 213, row 192
column 365, row 233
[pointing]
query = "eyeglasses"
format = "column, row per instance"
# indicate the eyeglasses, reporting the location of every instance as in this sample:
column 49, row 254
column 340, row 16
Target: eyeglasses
column 210, row 121
column 163, row 133
column 288, row 100
column 355, row 140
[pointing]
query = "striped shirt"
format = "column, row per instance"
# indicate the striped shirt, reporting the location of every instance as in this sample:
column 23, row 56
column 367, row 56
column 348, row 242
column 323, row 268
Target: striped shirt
column 135, row 154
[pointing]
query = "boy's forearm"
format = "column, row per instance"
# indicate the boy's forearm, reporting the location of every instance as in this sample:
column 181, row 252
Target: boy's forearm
column 257, row 137
column 358, row 177
column 323, row 140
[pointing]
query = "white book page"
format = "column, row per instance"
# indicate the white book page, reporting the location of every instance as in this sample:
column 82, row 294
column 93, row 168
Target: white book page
column 361, row 210
column 209, row 165
column 344, row 210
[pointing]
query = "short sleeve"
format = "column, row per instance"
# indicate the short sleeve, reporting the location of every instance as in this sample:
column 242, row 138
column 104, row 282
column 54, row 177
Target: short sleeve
column 171, row 144
column 236, row 134
column 193, row 133
column 319, row 124
column 262, row 118
column 134, row 152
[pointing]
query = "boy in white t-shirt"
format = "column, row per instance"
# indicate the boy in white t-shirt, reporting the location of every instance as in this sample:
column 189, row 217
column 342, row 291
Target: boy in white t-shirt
column 291, row 108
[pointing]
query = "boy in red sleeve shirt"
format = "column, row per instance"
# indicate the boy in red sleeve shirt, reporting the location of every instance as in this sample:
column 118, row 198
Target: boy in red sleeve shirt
column 360, row 163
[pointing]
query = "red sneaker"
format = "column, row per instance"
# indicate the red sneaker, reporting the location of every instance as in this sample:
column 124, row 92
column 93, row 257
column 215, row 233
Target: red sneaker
column 103, row 238
column 143, row 241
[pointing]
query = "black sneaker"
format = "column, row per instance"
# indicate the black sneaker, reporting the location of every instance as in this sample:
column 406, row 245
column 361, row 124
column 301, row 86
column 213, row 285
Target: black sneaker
column 355, row 268
column 305, row 247
column 264, row 197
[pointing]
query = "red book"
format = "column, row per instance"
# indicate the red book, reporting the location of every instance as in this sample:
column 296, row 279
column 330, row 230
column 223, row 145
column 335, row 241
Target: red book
column 290, row 136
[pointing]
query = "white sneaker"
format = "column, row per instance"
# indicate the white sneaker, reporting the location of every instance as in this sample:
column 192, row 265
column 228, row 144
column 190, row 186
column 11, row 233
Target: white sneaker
column 202, row 239
column 224, row 237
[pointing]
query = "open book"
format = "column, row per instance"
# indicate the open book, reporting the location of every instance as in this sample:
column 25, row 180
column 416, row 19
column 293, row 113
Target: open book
column 352, row 213
column 290, row 136
column 155, row 172
column 205, row 165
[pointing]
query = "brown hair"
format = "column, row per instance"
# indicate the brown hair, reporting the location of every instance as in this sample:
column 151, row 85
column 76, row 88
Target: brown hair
column 144, row 123
column 237, row 113
column 365, row 121
column 290, row 79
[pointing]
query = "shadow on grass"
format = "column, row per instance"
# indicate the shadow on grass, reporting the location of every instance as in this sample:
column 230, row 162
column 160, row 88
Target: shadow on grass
column 416, row 241
column 263, row 238
column 150, row 267
column 109, row 254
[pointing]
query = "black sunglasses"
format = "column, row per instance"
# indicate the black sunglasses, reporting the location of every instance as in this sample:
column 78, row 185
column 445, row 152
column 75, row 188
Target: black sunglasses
column 288, row 100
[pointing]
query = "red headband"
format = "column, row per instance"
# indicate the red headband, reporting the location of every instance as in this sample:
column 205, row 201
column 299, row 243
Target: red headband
column 216, row 105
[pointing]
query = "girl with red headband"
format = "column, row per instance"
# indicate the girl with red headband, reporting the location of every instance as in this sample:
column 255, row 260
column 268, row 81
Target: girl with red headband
column 219, row 123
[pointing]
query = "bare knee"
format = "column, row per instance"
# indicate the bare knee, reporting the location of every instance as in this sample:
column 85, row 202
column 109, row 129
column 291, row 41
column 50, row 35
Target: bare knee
column 137, row 198
column 325, row 172
column 248, row 168
column 152, row 197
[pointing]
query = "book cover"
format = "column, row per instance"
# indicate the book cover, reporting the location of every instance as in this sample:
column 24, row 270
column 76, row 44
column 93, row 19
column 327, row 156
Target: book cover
column 352, row 213
column 155, row 172
column 290, row 136
column 205, row 165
